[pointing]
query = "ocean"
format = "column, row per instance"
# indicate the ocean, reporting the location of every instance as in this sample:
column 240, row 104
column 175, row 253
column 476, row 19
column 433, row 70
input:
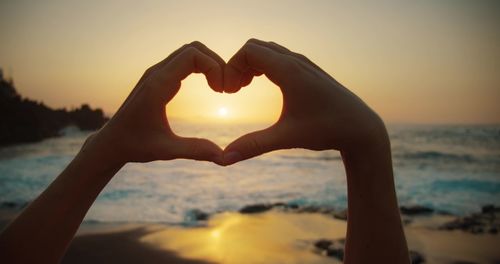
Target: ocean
column 450, row 168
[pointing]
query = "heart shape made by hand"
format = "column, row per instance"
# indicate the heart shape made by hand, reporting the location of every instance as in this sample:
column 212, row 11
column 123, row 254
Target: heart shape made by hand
column 198, row 111
column 317, row 112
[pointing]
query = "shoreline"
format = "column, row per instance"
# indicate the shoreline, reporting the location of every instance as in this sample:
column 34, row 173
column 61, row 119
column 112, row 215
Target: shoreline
column 273, row 236
column 277, row 233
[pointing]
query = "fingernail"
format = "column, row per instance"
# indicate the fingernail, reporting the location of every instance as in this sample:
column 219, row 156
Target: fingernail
column 232, row 157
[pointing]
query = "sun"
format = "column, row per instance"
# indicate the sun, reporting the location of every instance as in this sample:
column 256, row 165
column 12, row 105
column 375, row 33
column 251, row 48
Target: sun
column 222, row 111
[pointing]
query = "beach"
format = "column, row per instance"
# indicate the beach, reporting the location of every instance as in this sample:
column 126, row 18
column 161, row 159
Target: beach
column 267, row 237
column 245, row 132
column 284, row 207
column 277, row 234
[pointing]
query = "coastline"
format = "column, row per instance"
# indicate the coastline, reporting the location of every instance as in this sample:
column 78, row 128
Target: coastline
column 273, row 234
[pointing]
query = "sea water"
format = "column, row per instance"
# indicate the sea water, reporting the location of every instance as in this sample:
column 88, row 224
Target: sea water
column 455, row 169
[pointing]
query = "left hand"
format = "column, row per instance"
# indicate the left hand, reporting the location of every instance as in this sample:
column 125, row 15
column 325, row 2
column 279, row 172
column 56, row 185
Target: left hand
column 140, row 132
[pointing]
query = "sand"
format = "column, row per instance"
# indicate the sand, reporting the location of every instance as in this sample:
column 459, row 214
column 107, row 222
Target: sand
column 270, row 237
column 121, row 246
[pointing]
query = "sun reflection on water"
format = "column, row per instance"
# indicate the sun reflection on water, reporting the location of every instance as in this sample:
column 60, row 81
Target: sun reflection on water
column 271, row 237
column 215, row 234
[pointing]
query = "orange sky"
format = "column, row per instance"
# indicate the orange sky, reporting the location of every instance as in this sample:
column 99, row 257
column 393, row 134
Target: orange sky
column 415, row 62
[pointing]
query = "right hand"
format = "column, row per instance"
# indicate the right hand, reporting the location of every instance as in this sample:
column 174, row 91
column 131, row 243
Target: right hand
column 318, row 112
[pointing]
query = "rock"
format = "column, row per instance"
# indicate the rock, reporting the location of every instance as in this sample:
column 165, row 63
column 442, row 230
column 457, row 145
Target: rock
column 330, row 248
column 342, row 215
column 8, row 205
column 443, row 212
column 477, row 230
column 259, row 208
column 490, row 209
column 200, row 215
column 415, row 210
column 13, row 205
column 486, row 221
column 335, row 249
column 196, row 215
column 407, row 220
column 416, row 258
column 255, row 208
column 307, row 209
column 323, row 244
column 336, row 253
column 314, row 209
column 465, row 223
column 326, row 210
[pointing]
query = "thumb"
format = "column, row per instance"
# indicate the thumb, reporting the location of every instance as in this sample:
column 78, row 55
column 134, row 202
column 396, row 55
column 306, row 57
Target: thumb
column 197, row 149
column 251, row 145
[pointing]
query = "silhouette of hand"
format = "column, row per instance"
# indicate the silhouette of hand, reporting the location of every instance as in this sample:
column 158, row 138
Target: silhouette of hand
column 318, row 112
column 140, row 131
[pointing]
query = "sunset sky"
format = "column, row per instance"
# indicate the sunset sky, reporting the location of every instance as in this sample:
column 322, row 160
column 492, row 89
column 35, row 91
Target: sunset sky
column 413, row 62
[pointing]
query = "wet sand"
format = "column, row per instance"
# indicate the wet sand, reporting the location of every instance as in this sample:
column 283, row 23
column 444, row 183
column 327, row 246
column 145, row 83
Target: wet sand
column 270, row 237
column 123, row 246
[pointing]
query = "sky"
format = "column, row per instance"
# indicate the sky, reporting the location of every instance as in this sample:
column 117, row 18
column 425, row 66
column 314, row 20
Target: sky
column 412, row 62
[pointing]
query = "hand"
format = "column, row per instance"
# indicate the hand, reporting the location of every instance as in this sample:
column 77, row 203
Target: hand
column 140, row 131
column 318, row 112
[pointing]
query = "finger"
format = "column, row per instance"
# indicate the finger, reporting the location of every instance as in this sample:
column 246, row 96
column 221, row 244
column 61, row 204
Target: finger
column 246, row 78
column 253, row 57
column 252, row 144
column 281, row 49
column 196, row 149
column 200, row 46
column 160, row 64
column 192, row 60
column 272, row 45
column 150, row 71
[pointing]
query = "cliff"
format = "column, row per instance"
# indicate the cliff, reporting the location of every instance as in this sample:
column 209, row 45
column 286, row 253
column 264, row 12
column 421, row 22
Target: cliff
column 25, row 120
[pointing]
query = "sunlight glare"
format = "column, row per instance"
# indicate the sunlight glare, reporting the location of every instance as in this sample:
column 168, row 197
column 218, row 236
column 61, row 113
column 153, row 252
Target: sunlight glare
column 215, row 234
column 233, row 238
column 222, row 112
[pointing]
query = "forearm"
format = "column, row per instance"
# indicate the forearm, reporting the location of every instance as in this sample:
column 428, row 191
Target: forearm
column 374, row 229
column 54, row 217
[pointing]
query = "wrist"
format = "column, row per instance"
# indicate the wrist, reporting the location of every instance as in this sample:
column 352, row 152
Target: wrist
column 371, row 152
column 102, row 151
column 369, row 173
column 375, row 156
column 370, row 138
